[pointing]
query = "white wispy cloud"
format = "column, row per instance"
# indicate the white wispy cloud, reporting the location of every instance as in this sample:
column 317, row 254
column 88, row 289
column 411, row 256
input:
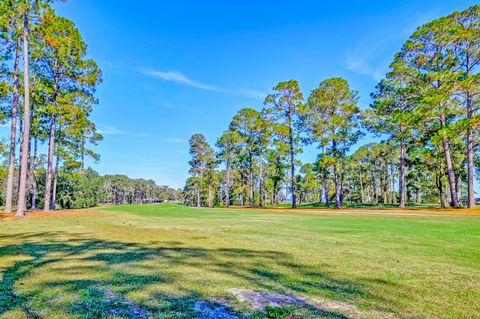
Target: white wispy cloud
column 363, row 65
column 112, row 130
column 174, row 140
column 180, row 78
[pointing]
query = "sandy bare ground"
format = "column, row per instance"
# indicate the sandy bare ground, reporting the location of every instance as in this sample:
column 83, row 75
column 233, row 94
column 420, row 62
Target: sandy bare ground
column 8, row 217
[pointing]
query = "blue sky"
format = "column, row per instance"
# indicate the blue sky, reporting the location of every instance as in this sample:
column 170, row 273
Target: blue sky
column 175, row 68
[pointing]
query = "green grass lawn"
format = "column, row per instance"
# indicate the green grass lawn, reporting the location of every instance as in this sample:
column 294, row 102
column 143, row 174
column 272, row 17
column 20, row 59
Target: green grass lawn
column 159, row 260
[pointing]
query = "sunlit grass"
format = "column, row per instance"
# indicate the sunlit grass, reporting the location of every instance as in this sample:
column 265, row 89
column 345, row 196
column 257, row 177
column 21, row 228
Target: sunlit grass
column 162, row 258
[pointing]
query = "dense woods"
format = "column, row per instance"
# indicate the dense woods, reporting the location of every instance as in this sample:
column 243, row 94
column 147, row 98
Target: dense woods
column 425, row 111
column 47, row 95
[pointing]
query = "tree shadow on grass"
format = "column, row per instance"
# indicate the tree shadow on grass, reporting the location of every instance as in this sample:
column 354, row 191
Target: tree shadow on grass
column 92, row 278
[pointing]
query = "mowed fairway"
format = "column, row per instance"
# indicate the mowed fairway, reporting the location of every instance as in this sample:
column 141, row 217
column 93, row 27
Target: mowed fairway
column 160, row 261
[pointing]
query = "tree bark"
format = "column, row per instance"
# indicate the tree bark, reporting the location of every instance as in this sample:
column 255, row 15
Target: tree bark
column 55, row 181
column 458, row 184
column 336, row 177
column 450, row 172
column 51, row 145
column 362, row 192
column 198, row 196
column 210, row 196
column 327, row 197
column 227, row 185
column 13, row 129
column 392, row 184
column 34, row 175
column 292, row 163
column 250, row 177
column 470, row 164
column 26, row 115
column 342, row 180
column 260, row 185
column 401, row 179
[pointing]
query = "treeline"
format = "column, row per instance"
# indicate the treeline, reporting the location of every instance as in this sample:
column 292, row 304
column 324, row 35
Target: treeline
column 48, row 87
column 120, row 189
column 86, row 188
column 425, row 109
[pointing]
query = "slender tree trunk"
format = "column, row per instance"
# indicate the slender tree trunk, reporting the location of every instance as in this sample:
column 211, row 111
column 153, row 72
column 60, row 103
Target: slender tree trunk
column 26, row 114
column 20, row 142
column 362, row 192
column 458, row 184
column 51, row 145
column 342, row 178
column 260, row 184
column 470, row 147
column 392, row 184
column 336, row 177
column 401, row 179
column 470, row 165
column 250, row 177
column 227, row 185
column 55, row 181
column 327, row 197
column 13, row 129
column 292, row 163
column 210, row 197
column 337, row 187
column 450, row 172
column 374, row 187
column 198, row 196
column 34, row 174
column 385, row 185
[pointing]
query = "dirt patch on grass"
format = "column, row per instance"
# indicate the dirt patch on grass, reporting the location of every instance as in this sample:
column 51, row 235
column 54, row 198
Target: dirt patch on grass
column 10, row 217
column 209, row 310
column 259, row 300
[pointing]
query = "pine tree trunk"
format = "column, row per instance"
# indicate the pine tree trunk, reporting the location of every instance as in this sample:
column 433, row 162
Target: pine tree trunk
column 392, row 184
column 20, row 142
column 362, row 192
column 13, row 129
column 450, row 172
column 471, row 166
column 210, row 196
column 292, row 166
column 227, row 185
column 385, row 185
column 250, row 177
column 327, row 191
column 260, row 185
column 458, row 185
column 198, row 196
column 26, row 115
column 336, row 177
column 342, row 178
column 55, row 181
column 51, row 145
column 401, row 179
column 34, row 175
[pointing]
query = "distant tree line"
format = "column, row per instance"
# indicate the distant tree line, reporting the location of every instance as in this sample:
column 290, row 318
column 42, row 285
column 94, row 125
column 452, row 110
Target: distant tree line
column 426, row 109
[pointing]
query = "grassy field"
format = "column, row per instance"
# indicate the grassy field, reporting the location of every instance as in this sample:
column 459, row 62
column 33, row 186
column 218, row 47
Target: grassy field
column 170, row 261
